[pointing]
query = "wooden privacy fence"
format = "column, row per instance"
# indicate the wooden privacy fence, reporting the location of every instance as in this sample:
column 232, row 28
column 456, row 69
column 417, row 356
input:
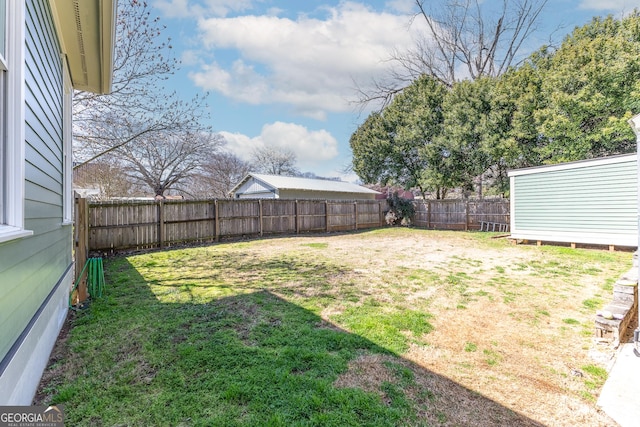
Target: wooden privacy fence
column 135, row 225
column 486, row 214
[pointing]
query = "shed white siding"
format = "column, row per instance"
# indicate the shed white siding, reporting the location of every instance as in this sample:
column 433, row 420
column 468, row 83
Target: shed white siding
column 591, row 202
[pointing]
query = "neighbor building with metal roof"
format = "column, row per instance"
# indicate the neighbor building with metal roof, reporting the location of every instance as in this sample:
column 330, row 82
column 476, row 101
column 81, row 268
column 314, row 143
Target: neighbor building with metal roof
column 262, row 186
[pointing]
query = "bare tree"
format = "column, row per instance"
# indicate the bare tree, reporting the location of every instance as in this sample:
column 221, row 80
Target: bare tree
column 274, row 161
column 138, row 106
column 165, row 161
column 463, row 39
column 218, row 174
column 106, row 177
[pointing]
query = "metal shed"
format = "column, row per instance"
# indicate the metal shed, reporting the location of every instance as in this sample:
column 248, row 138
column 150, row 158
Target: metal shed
column 262, row 186
column 591, row 202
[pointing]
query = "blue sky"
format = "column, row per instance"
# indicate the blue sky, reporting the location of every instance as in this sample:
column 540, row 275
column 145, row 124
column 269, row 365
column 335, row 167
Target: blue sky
column 281, row 73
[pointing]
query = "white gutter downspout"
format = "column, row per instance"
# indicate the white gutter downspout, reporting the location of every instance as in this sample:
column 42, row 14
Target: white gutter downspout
column 635, row 125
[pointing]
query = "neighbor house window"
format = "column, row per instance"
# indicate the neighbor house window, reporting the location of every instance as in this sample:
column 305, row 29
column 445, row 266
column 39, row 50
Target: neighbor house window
column 12, row 120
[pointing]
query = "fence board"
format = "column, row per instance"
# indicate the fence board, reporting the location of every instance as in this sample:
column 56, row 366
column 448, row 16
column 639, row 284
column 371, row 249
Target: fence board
column 341, row 215
column 189, row 221
column 278, row 216
column 370, row 214
column 312, row 215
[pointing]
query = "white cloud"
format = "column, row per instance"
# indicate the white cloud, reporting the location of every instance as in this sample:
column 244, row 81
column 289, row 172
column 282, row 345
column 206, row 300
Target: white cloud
column 610, row 5
column 308, row 63
column 312, row 147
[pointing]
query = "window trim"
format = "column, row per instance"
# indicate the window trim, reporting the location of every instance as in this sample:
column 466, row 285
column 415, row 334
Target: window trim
column 67, row 145
column 13, row 179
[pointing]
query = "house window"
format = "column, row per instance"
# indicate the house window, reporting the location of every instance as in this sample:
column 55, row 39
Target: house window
column 12, row 120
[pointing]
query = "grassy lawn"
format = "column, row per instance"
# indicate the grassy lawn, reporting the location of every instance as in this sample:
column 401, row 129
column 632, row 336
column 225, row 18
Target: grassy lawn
column 385, row 327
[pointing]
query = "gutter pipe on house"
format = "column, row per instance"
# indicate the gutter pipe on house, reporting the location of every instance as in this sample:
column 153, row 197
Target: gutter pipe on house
column 635, row 125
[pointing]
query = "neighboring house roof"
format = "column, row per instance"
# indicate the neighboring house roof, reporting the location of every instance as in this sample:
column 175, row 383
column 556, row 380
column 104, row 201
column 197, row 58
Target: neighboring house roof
column 620, row 158
column 87, row 36
column 296, row 183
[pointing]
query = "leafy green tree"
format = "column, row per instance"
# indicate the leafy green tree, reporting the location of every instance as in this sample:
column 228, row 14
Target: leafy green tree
column 468, row 131
column 371, row 148
column 393, row 147
column 559, row 105
column 518, row 95
column 591, row 89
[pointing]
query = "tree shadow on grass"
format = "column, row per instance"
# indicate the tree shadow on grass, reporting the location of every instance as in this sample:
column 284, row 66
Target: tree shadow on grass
column 248, row 359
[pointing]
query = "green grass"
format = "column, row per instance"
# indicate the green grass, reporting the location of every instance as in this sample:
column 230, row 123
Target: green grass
column 592, row 303
column 316, row 245
column 193, row 337
column 389, row 329
column 242, row 334
column 594, row 379
column 249, row 359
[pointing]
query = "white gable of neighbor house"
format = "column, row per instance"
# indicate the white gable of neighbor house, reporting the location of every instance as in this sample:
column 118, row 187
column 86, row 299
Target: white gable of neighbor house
column 591, row 201
column 254, row 189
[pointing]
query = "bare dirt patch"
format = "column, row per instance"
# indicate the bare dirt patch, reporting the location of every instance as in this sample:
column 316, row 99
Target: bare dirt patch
column 510, row 323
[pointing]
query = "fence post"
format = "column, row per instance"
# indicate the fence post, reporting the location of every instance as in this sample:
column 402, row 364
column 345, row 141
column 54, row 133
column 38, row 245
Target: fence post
column 428, row 213
column 161, row 236
column 466, row 216
column 355, row 214
column 260, row 216
column 216, row 220
column 297, row 218
column 326, row 216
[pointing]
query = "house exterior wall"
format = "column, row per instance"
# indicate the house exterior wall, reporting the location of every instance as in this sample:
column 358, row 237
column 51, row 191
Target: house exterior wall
column 255, row 189
column 36, row 271
column 592, row 202
column 323, row 195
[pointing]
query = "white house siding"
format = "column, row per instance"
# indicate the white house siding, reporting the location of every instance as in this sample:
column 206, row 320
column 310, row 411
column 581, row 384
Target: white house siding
column 593, row 202
column 323, row 195
column 36, row 272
